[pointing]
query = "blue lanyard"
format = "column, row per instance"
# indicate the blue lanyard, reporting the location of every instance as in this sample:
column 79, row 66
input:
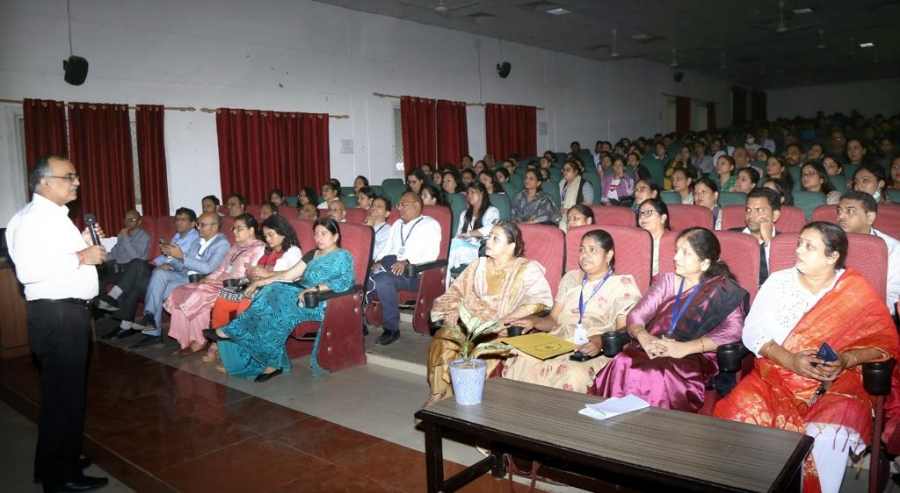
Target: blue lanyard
column 678, row 309
column 582, row 303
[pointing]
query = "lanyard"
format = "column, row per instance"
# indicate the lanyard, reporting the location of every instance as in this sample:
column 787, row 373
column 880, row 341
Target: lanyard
column 402, row 239
column 382, row 227
column 582, row 303
column 677, row 308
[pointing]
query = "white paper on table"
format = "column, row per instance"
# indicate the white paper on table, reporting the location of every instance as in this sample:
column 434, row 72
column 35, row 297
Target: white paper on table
column 109, row 242
column 614, row 406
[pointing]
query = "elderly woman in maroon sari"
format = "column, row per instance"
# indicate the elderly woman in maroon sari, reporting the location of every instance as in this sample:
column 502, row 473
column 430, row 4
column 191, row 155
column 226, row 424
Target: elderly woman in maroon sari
column 677, row 327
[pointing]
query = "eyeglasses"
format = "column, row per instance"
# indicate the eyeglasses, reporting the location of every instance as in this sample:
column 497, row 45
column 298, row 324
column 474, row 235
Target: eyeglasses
column 207, row 225
column 236, row 229
column 647, row 213
column 71, row 177
column 130, row 220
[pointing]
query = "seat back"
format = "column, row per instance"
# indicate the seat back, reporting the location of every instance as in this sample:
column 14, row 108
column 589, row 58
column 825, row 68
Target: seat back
column 442, row 215
column 349, row 200
column 226, row 224
column 393, row 188
column 304, row 230
column 741, row 252
column 839, row 182
column 612, row 215
column 545, row 244
column 148, row 223
column 633, row 251
column 888, row 219
column 358, row 240
column 670, row 198
column 253, row 210
column 683, row 216
column 733, row 216
column 501, row 202
column 732, row 198
column 356, row 215
column 866, row 254
column 792, row 220
column 457, row 203
column 808, row 201
column 827, row 213
column 590, row 175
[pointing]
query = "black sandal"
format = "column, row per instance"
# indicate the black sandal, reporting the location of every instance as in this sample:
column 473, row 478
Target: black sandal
column 212, row 336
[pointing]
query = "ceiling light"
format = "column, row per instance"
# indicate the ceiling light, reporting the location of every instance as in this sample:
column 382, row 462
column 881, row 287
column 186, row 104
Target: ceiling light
column 803, row 11
column 558, row 11
column 867, row 44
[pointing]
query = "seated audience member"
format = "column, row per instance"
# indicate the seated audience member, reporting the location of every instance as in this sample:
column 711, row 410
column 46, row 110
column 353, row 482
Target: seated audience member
column 787, row 198
column 532, row 205
column 634, row 168
column 870, row 178
column 191, row 304
column 605, row 163
column 210, row 203
column 414, row 181
column 573, row 189
column 501, row 175
column 643, row 190
column 653, row 217
column 414, row 239
column 856, row 214
column 308, row 211
column 579, row 215
column 132, row 245
column 331, row 191
column 306, row 196
column 815, row 153
column 762, row 211
column 683, row 184
column 450, row 182
column 236, row 204
column 501, row 286
column 490, row 183
column 814, row 178
column 590, row 301
column 267, row 210
column 725, row 173
column 795, row 311
column 745, row 180
column 466, row 161
column 776, row 168
column 677, row 327
column 364, row 198
column 832, row 165
column 359, row 183
column 276, row 197
column 203, row 257
column 467, row 177
column 480, row 166
column 856, row 152
column 128, row 290
column 253, row 344
column 377, row 219
column 436, row 178
column 282, row 252
column 431, row 196
column 793, row 155
column 337, row 211
column 895, row 174
column 426, row 170
column 701, row 160
column 474, row 226
column 706, row 194
column 617, row 186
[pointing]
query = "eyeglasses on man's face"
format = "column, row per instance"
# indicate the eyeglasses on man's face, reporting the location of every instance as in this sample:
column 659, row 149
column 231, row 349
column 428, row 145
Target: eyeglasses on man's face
column 70, row 177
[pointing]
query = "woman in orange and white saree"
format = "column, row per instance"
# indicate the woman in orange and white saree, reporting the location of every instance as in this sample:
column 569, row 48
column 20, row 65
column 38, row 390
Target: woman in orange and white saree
column 796, row 311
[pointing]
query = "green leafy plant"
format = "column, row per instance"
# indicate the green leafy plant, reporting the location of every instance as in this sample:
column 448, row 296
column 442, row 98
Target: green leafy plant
column 472, row 335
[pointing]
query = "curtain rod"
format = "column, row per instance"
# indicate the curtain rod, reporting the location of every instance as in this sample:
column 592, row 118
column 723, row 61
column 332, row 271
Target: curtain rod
column 168, row 108
column 467, row 103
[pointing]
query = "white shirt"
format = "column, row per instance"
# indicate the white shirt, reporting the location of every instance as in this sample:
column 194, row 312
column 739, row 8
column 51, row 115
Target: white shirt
column 768, row 246
column 418, row 242
column 779, row 305
column 893, row 272
column 382, row 234
column 491, row 217
column 288, row 259
column 44, row 245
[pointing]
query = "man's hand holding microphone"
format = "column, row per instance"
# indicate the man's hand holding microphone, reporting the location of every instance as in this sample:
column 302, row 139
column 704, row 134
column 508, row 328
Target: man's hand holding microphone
column 95, row 254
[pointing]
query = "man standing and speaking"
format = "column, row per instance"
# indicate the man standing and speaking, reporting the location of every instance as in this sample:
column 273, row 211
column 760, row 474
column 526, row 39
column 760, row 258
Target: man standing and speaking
column 56, row 264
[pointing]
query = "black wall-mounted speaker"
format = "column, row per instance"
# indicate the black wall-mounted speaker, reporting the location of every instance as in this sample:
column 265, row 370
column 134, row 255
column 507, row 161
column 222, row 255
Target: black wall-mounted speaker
column 76, row 69
column 503, row 69
column 678, row 76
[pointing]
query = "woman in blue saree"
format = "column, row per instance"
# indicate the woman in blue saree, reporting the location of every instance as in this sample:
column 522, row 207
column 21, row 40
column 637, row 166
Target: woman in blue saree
column 253, row 345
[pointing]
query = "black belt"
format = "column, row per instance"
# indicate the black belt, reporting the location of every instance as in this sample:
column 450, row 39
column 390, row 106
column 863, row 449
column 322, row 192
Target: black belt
column 67, row 301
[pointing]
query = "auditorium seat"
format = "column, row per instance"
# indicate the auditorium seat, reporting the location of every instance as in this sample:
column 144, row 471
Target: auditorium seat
column 164, row 228
column 612, row 215
column 253, row 210
column 865, row 253
column 792, row 220
column 682, row 216
column 356, row 215
column 502, row 203
column 633, row 251
column 887, row 220
column 393, row 188
column 225, row 225
column 457, row 202
column 349, row 200
column 341, row 343
column 808, row 201
column 732, row 198
column 546, row 245
column 304, row 230
column 670, row 198
column 733, row 216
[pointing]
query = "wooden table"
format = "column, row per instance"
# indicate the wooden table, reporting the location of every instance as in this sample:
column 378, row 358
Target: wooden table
column 13, row 328
column 651, row 449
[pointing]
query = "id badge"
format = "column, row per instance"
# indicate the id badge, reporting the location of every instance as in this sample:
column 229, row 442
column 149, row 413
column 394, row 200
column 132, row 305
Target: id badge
column 580, row 337
column 401, row 252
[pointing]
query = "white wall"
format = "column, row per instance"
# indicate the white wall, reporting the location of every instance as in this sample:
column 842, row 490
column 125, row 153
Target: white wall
column 867, row 97
column 297, row 55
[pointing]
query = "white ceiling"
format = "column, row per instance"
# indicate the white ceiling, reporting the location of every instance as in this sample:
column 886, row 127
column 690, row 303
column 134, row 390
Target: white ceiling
column 745, row 41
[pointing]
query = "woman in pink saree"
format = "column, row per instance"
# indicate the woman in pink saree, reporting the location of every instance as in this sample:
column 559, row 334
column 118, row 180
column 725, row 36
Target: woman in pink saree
column 191, row 304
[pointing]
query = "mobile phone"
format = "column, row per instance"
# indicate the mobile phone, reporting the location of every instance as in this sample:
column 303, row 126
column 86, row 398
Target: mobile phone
column 826, row 353
column 579, row 356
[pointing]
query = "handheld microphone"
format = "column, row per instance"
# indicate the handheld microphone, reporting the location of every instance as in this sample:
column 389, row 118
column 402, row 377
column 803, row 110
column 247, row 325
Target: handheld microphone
column 91, row 221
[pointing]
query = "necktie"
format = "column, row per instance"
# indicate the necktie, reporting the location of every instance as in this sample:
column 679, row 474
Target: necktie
column 763, row 264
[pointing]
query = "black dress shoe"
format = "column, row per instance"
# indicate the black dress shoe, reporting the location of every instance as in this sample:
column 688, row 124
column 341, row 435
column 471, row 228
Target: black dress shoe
column 123, row 333
column 147, row 341
column 212, row 336
column 84, row 483
column 262, row 377
column 84, row 462
column 388, row 338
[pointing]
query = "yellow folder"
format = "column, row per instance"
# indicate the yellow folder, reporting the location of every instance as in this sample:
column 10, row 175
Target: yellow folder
column 541, row 345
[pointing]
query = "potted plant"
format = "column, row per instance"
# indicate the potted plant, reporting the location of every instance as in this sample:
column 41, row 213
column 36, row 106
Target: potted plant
column 473, row 336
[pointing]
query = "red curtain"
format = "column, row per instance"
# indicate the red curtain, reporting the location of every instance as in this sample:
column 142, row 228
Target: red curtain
column 452, row 132
column 710, row 116
column 417, row 121
column 152, row 159
column 511, row 130
column 100, row 145
column 262, row 150
column 682, row 115
column 45, row 129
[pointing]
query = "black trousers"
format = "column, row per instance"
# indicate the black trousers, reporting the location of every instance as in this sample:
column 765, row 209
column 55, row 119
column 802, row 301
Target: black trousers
column 60, row 340
column 133, row 279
